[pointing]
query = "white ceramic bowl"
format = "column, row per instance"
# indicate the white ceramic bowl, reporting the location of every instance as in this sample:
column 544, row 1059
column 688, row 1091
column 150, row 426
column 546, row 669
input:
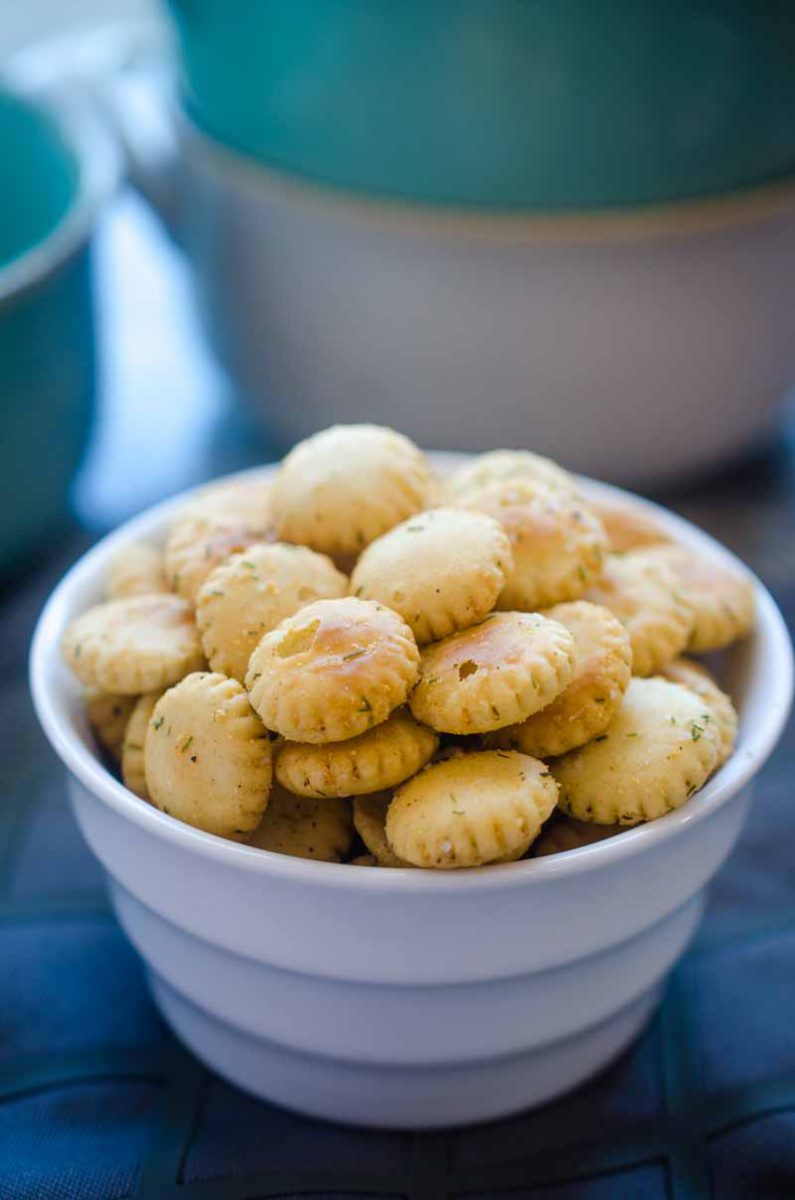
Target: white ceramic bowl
column 668, row 329
column 404, row 998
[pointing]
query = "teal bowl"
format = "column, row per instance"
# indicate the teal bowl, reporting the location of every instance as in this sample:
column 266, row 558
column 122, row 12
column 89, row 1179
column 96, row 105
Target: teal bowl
column 58, row 171
column 510, row 104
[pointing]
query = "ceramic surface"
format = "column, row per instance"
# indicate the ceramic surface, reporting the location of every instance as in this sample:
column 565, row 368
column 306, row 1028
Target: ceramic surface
column 64, row 170
column 639, row 347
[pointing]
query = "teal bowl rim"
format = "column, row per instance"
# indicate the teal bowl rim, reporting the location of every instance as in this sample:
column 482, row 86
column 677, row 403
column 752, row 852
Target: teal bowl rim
column 699, row 105
column 99, row 168
column 642, row 222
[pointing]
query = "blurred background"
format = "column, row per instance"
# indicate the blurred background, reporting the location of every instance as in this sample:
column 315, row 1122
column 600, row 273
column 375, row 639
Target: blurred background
column 141, row 418
column 561, row 226
column 25, row 24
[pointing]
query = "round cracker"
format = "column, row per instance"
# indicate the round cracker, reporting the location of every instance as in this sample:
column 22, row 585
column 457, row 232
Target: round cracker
column 493, row 674
column 108, row 715
column 133, row 766
column 557, row 542
column 208, row 757
column 470, row 811
column 199, row 542
column 564, row 833
column 661, row 746
column 697, row 678
column 333, row 670
column 723, row 600
column 369, row 819
column 339, row 490
column 136, row 570
column 240, row 500
column 586, row 706
column 380, row 758
column 133, row 645
column 302, row 827
column 644, row 592
column 442, row 570
column 506, row 466
column 250, row 593
column 627, row 525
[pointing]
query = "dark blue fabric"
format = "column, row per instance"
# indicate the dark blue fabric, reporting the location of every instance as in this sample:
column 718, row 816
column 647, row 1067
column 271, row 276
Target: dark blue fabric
column 755, row 1160
column 223, row 1141
column 648, row 1182
column 70, row 985
column 53, row 837
column 625, row 1096
column 75, row 1143
column 740, row 994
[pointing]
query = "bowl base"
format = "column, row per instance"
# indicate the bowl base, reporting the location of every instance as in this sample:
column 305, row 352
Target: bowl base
column 388, row 1097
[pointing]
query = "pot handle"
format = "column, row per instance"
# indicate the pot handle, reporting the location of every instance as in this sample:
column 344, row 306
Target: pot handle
column 136, row 106
column 122, row 72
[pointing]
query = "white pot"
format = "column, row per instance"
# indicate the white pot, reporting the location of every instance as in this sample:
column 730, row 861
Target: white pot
column 406, row 998
column 637, row 346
